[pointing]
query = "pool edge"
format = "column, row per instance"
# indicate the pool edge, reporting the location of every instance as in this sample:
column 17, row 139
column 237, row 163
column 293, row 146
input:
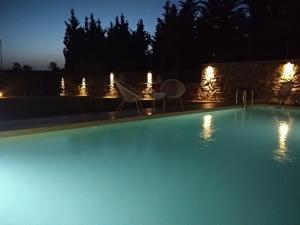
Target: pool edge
column 78, row 125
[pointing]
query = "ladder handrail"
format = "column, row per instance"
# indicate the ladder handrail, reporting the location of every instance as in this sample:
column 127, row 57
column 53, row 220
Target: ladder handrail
column 244, row 96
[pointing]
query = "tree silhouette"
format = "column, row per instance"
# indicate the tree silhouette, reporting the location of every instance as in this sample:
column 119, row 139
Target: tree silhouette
column 165, row 43
column 27, row 68
column 187, row 18
column 187, row 34
column 260, row 28
column 140, row 46
column 74, row 43
column 94, row 42
column 274, row 28
column 53, row 66
column 118, row 44
column 16, row 66
column 222, row 29
column 292, row 10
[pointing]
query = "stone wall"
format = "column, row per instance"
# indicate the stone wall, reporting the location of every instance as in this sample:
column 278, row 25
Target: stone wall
column 262, row 77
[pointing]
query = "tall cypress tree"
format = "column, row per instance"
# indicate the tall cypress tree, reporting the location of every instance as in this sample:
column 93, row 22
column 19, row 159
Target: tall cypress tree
column 165, row 43
column 74, row 42
column 100, row 44
column 118, row 44
column 140, row 46
column 187, row 19
column 94, row 41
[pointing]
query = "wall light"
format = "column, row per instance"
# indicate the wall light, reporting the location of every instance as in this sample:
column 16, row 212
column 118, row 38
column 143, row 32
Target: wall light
column 149, row 78
column 111, row 92
column 111, row 79
column 62, row 87
column 288, row 71
column 209, row 73
column 83, row 88
column 148, row 91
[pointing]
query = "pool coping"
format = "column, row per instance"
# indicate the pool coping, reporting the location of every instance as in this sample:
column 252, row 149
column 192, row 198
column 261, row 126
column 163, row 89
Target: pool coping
column 100, row 122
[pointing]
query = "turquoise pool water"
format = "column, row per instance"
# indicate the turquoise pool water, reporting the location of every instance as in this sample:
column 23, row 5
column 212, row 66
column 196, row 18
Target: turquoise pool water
column 228, row 167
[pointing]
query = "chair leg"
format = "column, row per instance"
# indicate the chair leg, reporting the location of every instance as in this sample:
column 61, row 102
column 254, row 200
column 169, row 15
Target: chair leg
column 138, row 108
column 176, row 100
column 181, row 104
column 164, row 104
column 141, row 107
column 120, row 107
column 123, row 105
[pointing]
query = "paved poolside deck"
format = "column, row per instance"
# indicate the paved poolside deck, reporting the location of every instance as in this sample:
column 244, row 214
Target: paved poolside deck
column 12, row 118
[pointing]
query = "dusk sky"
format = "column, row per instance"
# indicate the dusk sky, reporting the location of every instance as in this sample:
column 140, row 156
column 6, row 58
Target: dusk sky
column 32, row 31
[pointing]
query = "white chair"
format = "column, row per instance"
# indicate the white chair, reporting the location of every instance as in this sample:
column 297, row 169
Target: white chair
column 174, row 90
column 157, row 97
column 128, row 94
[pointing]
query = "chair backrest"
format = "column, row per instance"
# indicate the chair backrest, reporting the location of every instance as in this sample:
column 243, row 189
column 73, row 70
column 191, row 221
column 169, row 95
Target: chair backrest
column 285, row 89
column 173, row 88
column 128, row 94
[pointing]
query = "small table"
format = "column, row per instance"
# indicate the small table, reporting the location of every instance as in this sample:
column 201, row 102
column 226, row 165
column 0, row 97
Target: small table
column 156, row 97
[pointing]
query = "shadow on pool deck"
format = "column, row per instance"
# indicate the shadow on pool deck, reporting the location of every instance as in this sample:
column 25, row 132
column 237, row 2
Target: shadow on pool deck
column 25, row 113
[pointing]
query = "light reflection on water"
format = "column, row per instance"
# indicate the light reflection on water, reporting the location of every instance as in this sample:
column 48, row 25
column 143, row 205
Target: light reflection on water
column 281, row 154
column 207, row 127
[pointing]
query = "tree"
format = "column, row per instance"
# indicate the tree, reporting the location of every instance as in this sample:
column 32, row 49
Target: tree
column 16, row 66
column 140, row 45
column 94, row 42
column 74, row 43
column 118, row 50
column 27, row 68
column 100, row 44
column 53, row 66
column 275, row 28
column 222, row 28
column 165, row 43
column 260, row 28
column 187, row 22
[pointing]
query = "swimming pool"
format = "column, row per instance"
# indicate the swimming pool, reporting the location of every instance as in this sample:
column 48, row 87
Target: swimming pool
column 226, row 167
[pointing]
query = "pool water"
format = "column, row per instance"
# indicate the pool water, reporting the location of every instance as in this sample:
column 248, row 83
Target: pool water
column 226, row 167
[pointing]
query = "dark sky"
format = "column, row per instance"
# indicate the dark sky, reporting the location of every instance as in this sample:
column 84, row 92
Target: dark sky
column 32, row 31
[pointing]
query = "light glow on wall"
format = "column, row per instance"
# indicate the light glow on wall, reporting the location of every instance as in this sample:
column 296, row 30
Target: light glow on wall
column 83, row 88
column 209, row 73
column 62, row 87
column 288, row 71
column 148, row 91
column 209, row 89
column 111, row 92
column 285, row 73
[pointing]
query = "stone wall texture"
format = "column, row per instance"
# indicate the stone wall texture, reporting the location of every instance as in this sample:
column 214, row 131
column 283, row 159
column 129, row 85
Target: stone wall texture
column 260, row 76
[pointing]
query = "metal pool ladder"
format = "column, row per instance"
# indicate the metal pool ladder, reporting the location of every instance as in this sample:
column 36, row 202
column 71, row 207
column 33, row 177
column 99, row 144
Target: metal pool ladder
column 244, row 97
